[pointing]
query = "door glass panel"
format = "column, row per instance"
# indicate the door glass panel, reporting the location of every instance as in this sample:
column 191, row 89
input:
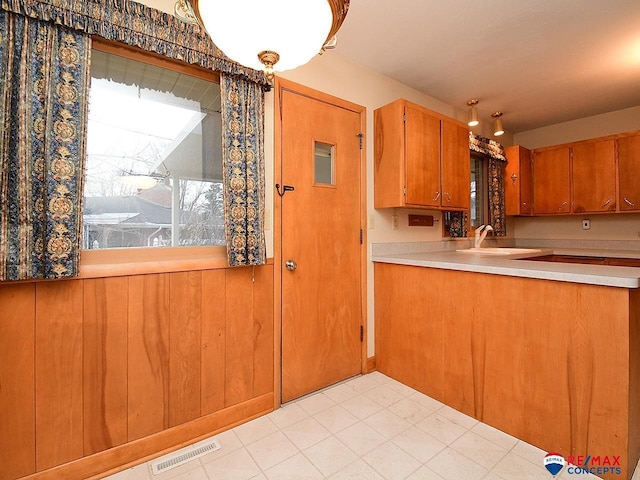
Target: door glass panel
column 323, row 167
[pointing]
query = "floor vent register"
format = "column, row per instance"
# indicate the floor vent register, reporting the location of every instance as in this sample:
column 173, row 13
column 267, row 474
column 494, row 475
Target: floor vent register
column 183, row 456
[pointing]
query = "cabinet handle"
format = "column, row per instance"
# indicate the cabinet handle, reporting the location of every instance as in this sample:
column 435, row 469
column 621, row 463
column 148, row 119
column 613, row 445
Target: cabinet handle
column 604, row 205
column 629, row 202
column 436, row 197
column 448, row 197
column 561, row 206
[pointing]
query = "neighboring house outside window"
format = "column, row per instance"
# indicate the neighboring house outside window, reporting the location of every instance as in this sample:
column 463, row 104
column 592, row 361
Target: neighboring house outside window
column 154, row 167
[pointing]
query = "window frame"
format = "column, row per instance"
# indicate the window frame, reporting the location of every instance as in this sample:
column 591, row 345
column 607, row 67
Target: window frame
column 483, row 162
column 143, row 260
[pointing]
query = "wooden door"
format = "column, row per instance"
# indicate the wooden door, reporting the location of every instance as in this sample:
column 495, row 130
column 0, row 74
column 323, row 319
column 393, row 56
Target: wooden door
column 422, row 167
column 456, row 170
column 321, row 221
column 593, row 174
column 628, row 168
column 552, row 181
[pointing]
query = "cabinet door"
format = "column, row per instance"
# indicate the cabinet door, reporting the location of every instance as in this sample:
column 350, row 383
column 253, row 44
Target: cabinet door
column 388, row 156
column 628, row 168
column 422, row 157
column 456, row 170
column 551, row 181
column 593, row 174
column 517, row 182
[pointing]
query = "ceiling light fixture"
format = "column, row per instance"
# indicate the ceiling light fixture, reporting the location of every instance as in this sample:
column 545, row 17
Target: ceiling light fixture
column 273, row 35
column 473, row 113
column 142, row 181
column 498, row 129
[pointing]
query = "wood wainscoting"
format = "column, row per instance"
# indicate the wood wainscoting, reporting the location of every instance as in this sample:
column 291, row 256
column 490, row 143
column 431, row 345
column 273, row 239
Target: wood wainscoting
column 99, row 373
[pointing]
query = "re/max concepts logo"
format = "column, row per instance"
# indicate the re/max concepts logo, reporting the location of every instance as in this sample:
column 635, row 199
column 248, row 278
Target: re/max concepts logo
column 582, row 464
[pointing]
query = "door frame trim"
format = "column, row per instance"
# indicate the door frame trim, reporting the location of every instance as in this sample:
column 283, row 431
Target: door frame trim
column 280, row 86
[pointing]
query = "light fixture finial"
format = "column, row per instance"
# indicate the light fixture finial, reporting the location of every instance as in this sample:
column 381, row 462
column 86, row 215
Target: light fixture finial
column 268, row 59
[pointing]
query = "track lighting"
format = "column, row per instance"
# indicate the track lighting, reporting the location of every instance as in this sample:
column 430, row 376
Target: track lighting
column 498, row 129
column 473, row 113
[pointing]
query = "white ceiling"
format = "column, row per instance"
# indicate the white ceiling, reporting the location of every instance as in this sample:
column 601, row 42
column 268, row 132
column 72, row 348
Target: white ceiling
column 540, row 62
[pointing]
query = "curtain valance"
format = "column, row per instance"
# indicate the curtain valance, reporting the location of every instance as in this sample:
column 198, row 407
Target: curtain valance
column 137, row 25
column 486, row 146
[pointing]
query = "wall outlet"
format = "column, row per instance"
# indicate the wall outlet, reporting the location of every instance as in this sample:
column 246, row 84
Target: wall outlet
column 586, row 224
column 395, row 222
column 372, row 221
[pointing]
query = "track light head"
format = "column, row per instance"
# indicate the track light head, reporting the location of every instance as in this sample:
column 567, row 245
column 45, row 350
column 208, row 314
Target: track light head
column 473, row 113
column 498, row 129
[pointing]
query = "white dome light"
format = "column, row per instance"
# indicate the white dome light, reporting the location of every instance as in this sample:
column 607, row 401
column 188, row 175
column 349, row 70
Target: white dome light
column 290, row 32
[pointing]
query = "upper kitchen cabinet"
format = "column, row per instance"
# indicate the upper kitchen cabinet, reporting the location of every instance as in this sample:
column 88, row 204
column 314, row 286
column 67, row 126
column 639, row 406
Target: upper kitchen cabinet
column 598, row 175
column 552, row 181
column 421, row 159
column 628, row 171
column 456, row 168
column 576, row 178
column 593, row 170
column 517, row 183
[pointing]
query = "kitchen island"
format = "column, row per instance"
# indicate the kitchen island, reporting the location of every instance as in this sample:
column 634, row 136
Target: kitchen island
column 547, row 352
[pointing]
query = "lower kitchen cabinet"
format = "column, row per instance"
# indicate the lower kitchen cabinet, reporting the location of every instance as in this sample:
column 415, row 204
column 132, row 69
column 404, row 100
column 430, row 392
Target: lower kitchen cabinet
column 556, row 364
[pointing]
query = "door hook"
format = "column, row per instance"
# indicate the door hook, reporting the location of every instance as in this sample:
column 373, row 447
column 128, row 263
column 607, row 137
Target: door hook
column 285, row 189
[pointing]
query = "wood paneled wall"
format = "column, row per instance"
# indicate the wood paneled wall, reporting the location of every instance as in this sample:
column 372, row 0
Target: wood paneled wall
column 91, row 364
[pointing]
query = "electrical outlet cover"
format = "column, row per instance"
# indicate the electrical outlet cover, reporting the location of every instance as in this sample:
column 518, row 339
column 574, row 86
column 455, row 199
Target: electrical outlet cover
column 394, row 222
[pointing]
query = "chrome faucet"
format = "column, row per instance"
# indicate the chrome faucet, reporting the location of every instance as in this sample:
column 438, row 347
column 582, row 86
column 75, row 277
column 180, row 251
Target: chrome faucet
column 480, row 234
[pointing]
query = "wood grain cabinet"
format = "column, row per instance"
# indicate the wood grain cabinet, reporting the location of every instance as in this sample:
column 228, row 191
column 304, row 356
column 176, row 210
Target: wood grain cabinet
column 593, row 172
column 556, row 365
column 421, row 159
column 517, row 183
column 456, row 167
column 628, row 173
column 552, row 181
column 598, row 175
column 575, row 178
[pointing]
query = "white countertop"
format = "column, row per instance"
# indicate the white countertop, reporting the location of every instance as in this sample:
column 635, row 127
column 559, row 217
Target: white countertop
column 625, row 277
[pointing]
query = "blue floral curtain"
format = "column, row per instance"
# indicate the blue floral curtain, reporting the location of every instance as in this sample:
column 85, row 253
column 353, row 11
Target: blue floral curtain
column 138, row 25
column 497, row 215
column 44, row 83
column 242, row 104
column 497, row 161
column 44, row 101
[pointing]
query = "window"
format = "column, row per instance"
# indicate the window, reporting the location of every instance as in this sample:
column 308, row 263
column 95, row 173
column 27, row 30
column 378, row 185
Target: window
column 154, row 166
column 479, row 212
column 323, row 167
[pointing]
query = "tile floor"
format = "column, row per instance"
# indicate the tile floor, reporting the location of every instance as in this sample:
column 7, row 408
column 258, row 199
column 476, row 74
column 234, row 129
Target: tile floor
column 370, row 428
